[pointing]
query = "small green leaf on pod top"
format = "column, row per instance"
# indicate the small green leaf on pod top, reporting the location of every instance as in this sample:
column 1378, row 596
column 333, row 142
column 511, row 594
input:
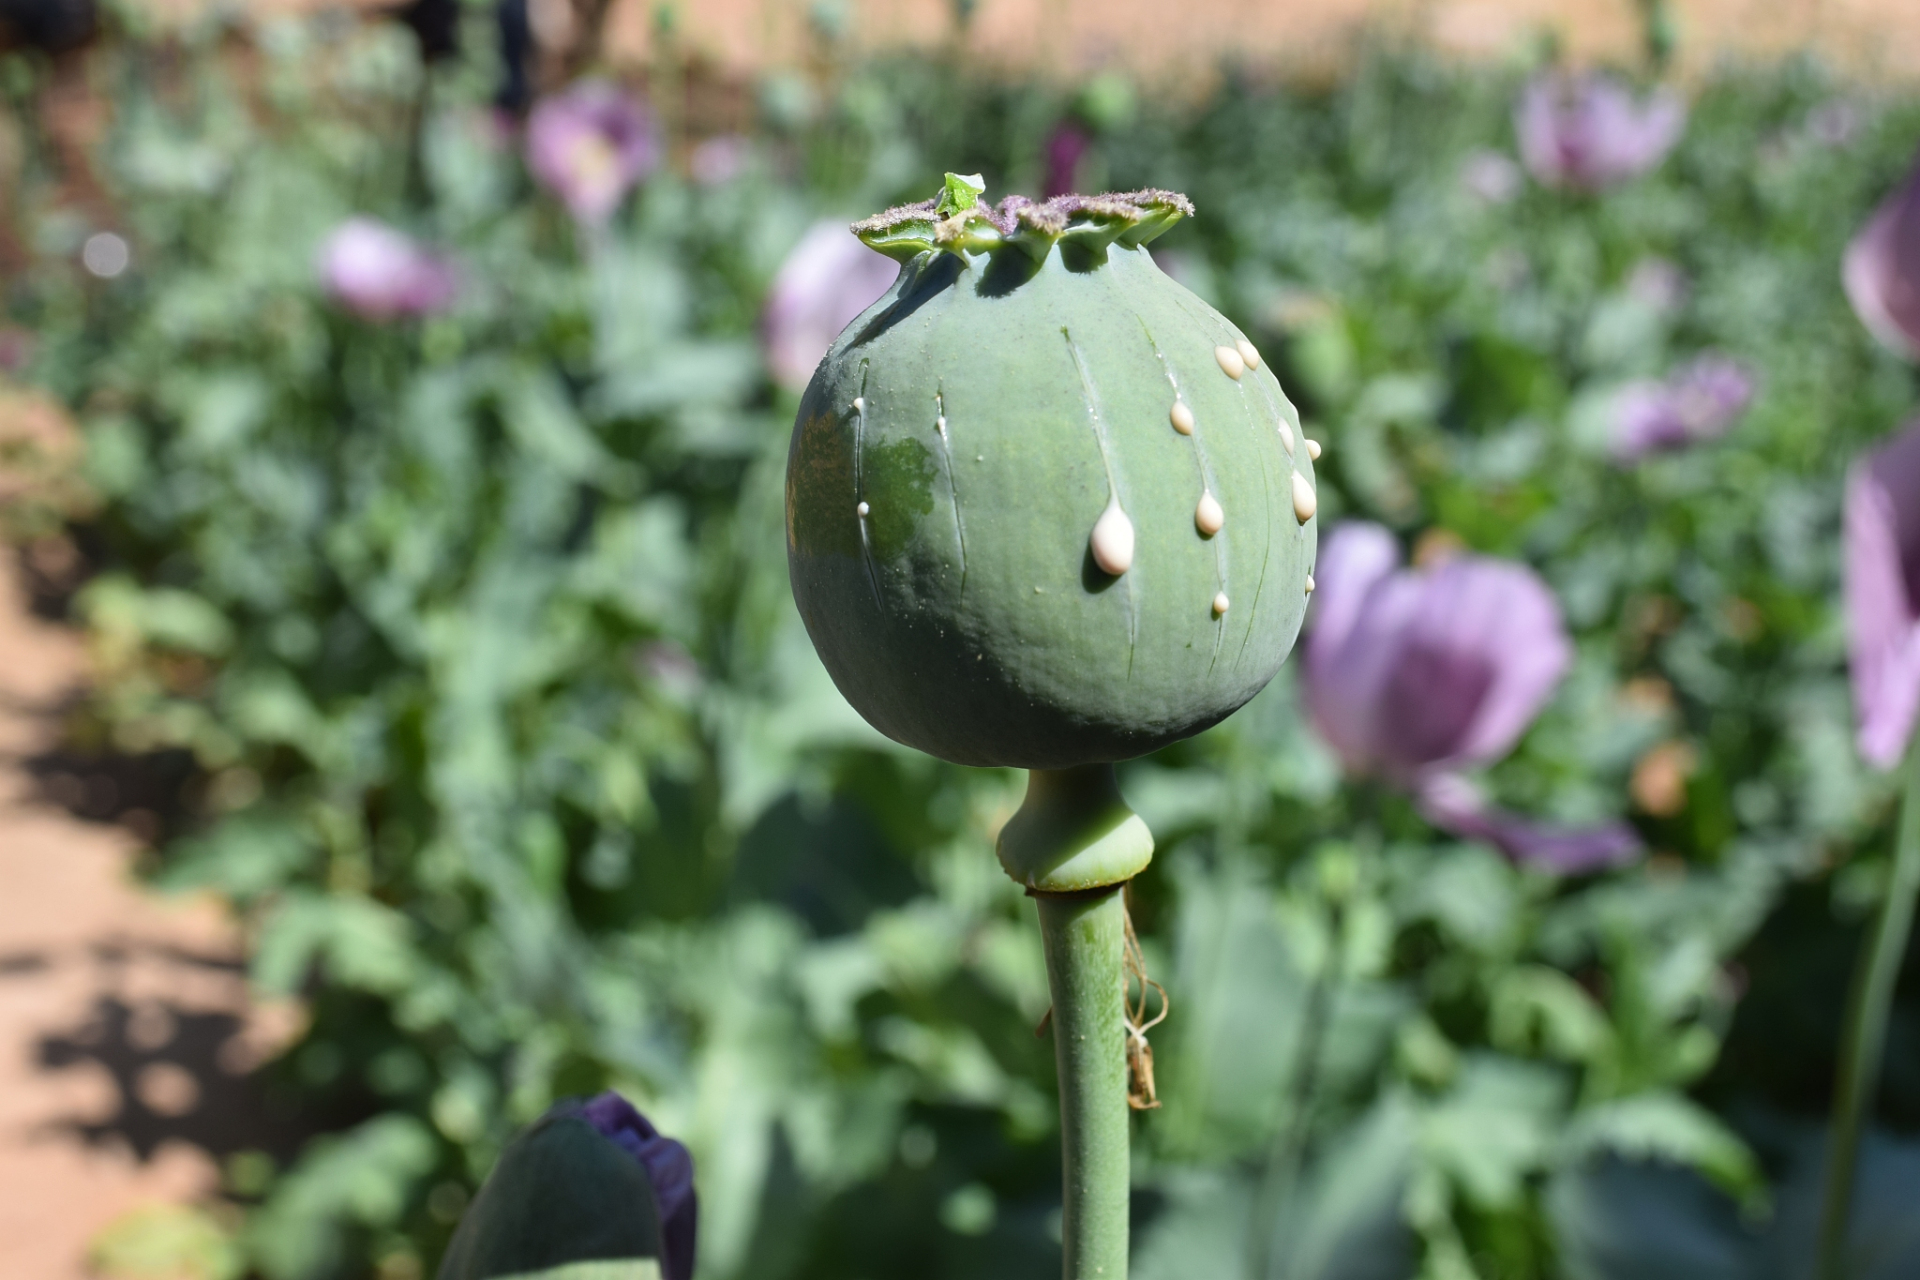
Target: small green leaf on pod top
column 1045, row 507
column 959, row 193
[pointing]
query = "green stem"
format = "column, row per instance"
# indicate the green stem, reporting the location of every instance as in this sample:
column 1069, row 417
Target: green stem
column 1084, row 936
column 1863, row 1042
column 1074, row 844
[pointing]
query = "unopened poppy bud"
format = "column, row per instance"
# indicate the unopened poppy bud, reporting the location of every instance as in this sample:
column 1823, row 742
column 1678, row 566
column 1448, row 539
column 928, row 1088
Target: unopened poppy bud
column 590, row 1182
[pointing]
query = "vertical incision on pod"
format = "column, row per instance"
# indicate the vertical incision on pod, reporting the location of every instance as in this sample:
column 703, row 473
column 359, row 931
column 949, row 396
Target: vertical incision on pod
column 953, row 490
column 1182, row 417
column 1113, row 532
column 861, row 508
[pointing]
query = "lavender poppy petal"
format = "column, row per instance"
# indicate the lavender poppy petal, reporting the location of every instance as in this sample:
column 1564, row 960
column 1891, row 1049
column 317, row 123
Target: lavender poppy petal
column 1642, row 420
column 588, row 145
column 827, row 281
column 1505, row 617
column 1587, row 132
column 1345, row 663
column 1881, row 271
column 1882, row 542
column 379, row 273
column 1453, row 804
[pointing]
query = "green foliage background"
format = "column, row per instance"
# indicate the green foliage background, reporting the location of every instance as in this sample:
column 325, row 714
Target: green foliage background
column 520, row 771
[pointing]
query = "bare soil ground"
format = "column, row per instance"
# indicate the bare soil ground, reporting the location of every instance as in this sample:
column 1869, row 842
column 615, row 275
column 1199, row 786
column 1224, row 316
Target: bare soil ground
column 125, row 1037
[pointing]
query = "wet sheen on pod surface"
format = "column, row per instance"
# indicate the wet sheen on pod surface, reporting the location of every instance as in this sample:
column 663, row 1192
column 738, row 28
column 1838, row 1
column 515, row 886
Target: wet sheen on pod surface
column 1019, row 548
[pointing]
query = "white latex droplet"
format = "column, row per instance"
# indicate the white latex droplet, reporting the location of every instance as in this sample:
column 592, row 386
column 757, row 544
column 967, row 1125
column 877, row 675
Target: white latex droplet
column 1232, row 363
column 1208, row 517
column 1248, row 352
column 1304, row 502
column 1182, row 418
column 1309, row 584
column 862, row 510
column 1220, row 604
column 1112, row 541
column 859, row 404
column 1286, row 436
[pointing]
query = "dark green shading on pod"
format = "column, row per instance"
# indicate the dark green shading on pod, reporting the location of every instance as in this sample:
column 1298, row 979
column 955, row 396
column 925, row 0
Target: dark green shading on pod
column 1045, row 507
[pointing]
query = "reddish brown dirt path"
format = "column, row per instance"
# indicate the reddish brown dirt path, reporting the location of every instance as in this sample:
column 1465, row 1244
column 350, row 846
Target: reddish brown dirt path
column 119, row 1012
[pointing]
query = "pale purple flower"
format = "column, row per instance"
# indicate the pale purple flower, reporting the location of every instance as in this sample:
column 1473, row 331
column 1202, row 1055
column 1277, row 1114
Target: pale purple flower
column 1882, row 542
column 1491, row 177
column 1415, row 676
column 828, row 279
column 16, row 349
column 1658, row 284
column 379, row 273
column 1700, row 402
column 1587, row 132
column 669, row 1168
column 1834, row 123
column 1882, row 271
column 588, row 145
column 1066, row 147
column 717, row 161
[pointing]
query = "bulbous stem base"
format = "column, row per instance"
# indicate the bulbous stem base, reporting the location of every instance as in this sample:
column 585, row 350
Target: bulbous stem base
column 1074, row 832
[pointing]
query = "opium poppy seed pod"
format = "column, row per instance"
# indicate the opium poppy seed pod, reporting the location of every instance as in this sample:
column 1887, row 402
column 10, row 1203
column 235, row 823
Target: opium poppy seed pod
column 590, row 1182
column 1045, row 507
column 1048, row 509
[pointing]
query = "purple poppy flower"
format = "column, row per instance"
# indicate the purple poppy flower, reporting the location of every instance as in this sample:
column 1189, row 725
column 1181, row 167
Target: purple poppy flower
column 589, row 145
column 1066, row 147
column 1700, row 402
column 1882, row 271
column 1586, row 132
column 1883, row 594
column 1417, row 675
column 379, row 273
column 828, row 279
column 669, row 1167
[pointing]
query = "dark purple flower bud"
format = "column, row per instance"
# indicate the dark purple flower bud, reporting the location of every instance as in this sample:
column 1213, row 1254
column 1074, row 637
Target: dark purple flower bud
column 1883, row 594
column 379, row 273
column 1414, row 675
column 1066, row 147
column 1491, row 177
column 828, row 279
column 589, row 1182
column 669, row 1167
column 1882, row 271
column 1586, row 132
column 1698, row 403
column 588, row 145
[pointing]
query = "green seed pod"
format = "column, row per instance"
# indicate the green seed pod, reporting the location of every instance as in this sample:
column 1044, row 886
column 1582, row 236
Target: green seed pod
column 1045, row 507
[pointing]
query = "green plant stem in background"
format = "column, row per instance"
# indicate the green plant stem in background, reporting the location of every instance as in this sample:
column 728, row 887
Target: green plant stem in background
column 1084, row 937
column 1281, row 1176
column 1863, row 1042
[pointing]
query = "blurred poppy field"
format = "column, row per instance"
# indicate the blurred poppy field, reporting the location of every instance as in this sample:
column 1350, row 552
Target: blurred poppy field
column 436, row 417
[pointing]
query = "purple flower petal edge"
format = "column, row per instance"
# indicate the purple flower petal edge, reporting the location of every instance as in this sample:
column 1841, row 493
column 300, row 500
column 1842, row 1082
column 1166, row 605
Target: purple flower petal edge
column 669, row 1167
